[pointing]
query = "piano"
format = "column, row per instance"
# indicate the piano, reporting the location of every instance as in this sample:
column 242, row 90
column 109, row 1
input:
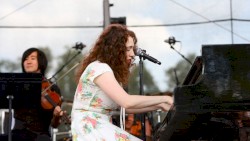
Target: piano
column 213, row 101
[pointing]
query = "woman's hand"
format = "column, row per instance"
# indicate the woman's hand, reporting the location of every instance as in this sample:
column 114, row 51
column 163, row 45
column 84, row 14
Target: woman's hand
column 57, row 114
column 164, row 106
column 170, row 100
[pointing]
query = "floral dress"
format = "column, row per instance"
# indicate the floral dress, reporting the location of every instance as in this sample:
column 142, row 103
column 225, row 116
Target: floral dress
column 92, row 108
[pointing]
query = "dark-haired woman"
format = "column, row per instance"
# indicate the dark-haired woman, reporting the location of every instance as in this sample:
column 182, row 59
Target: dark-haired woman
column 34, row 124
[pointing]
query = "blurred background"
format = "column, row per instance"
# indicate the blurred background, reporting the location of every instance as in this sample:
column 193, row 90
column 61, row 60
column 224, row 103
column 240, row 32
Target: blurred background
column 57, row 27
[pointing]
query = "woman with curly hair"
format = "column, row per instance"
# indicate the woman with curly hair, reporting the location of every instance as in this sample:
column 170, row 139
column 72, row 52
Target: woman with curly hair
column 101, row 78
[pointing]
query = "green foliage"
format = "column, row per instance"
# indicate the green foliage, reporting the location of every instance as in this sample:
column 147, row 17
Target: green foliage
column 49, row 56
column 67, row 66
column 9, row 66
column 16, row 66
column 181, row 70
column 148, row 82
column 64, row 73
column 67, row 84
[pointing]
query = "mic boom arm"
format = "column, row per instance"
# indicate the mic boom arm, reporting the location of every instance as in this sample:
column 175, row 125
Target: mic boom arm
column 142, row 53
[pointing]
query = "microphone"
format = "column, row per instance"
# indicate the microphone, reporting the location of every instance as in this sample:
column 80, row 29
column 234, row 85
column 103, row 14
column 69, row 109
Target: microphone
column 142, row 53
column 79, row 45
column 171, row 40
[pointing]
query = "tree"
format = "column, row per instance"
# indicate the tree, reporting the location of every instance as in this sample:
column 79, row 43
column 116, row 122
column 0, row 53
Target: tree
column 9, row 66
column 49, row 57
column 148, row 82
column 13, row 66
column 66, row 73
column 178, row 73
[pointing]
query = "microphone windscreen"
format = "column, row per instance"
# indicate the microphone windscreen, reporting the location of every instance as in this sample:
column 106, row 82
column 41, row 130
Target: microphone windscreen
column 166, row 41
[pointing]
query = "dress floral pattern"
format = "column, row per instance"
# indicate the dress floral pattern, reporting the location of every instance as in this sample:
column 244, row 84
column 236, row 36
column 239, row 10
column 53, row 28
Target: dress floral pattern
column 91, row 111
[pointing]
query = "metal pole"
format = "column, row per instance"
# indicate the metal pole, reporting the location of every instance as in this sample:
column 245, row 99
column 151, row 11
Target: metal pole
column 142, row 116
column 106, row 13
column 231, row 14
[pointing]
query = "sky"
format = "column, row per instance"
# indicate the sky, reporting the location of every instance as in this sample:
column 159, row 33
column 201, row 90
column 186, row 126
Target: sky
column 153, row 21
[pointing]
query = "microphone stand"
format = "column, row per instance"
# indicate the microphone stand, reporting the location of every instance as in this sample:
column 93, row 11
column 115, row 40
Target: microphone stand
column 10, row 97
column 176, row 78
column 180, row 54
column 142, row 116
column 65, row 64
column 61, row 77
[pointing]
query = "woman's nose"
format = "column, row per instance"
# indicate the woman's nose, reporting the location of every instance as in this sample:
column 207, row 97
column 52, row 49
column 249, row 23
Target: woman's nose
column 28, row 61
column 132, row 54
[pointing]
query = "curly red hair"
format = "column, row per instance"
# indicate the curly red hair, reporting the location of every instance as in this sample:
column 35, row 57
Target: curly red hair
column 110, row 48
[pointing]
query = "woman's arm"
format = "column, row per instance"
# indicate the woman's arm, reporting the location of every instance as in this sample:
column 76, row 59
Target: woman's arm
column 163, row 106
column 111, row 87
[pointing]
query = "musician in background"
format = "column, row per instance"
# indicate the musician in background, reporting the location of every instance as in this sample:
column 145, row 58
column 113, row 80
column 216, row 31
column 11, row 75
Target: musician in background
column 133, row 126
column 243, row 123
column 34, row 124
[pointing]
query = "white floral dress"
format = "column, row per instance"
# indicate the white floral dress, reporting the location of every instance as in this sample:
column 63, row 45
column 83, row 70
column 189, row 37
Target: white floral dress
column 91, row 118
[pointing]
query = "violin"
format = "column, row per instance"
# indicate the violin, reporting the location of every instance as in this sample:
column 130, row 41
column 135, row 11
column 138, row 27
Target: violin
column 50, row 99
